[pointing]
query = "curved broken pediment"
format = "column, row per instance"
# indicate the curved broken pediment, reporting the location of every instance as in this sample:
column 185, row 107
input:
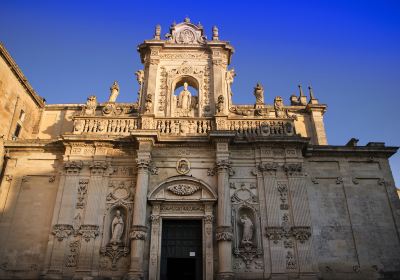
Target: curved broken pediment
column 182, row 188
column 186, row 33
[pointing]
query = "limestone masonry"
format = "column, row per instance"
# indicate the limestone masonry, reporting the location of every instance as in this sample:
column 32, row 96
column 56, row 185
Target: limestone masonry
column 184, row 184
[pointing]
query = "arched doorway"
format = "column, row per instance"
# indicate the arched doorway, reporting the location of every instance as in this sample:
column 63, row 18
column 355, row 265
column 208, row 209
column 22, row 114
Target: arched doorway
column 180, row 203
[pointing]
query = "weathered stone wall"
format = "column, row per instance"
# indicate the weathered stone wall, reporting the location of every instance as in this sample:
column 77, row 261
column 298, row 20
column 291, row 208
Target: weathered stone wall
column 353, row 209
column 14, row 98
column 27, row 200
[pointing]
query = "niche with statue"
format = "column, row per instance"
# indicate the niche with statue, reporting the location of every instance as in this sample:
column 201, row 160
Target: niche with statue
column 115, row 242
column 246, row 224
column 185, row 98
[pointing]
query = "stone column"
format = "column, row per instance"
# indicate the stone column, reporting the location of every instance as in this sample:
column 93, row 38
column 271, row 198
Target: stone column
column 138, row 231
column 224, row 224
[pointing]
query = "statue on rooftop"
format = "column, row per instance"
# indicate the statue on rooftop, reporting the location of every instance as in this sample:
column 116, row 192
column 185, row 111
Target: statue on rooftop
column 114, row 91
column 259, row 94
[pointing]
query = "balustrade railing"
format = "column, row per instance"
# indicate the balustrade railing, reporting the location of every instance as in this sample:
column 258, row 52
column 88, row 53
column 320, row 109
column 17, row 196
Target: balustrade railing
column 120, row 126
column 184, row 127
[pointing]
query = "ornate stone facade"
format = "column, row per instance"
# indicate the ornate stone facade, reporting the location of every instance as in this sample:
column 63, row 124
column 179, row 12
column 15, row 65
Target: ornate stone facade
column 87, row 192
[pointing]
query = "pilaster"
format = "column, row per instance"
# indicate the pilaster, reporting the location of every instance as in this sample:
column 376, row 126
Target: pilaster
column 224, row 232
column 138, row 233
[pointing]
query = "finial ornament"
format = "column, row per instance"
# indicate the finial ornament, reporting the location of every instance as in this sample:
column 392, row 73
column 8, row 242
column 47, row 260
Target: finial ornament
column 187, row 19
column 300, row 90
column 313, row 100
column 215, row 35
column 157, row 32
column 302, row 99
column 259, row 94
column 311, row 92
column 114, row 91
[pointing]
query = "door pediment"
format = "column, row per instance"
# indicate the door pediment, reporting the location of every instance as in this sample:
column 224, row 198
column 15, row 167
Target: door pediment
column 182, row 188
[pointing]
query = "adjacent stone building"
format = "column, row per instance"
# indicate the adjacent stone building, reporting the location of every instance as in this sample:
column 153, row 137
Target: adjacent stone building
column 184, row 184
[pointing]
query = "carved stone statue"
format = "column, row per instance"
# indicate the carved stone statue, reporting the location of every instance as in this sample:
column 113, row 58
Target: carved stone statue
column 91, row 105
column 259, row 94
column 220, row 104
column 117, row 228
column 215, row 35
column 185, row 98
column 149, row 103
column 140, row 78
column 114, row 91
column 247, row 230
column 278, row 106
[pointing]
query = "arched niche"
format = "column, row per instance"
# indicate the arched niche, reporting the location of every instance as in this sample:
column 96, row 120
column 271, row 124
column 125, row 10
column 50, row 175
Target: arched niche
column 108, row 220
column 185, row 91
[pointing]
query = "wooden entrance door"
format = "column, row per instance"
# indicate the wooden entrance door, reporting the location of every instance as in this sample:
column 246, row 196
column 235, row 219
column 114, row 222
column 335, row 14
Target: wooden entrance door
column 181, row 250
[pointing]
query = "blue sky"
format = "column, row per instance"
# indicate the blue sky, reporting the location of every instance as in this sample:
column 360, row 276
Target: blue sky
column 348, row 50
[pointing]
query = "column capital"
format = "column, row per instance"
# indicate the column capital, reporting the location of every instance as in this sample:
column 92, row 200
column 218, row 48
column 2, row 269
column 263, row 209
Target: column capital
column 73, row 167
column 224, row 233
column 138, row 232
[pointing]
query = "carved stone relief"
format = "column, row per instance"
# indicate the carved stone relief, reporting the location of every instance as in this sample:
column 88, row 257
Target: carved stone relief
column 82, row 193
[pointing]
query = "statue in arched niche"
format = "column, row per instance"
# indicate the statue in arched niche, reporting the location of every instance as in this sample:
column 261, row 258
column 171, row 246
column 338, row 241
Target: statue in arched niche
column 185, row 98
column 117, row 228
column 247, row 229
column 185, row 102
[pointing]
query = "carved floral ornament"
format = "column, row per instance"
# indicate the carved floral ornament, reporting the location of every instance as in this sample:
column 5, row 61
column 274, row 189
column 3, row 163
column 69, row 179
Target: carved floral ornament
column 183, row 189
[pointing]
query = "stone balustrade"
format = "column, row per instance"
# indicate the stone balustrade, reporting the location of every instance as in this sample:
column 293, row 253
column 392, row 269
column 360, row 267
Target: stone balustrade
column 118, row 126
column 181, row 127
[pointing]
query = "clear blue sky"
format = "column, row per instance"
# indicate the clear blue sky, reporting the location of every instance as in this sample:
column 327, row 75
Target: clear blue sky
column 348, row 50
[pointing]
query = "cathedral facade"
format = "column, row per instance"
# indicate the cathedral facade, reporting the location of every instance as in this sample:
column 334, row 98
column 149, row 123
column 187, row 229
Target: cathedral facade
column 184, row 184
